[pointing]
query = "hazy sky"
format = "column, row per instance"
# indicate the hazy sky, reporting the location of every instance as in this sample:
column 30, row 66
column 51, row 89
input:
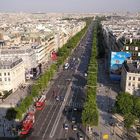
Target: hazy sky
column 70, row 5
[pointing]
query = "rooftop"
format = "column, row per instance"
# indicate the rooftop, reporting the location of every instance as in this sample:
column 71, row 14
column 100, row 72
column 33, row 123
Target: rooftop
column 132, row 66
column 9, row 64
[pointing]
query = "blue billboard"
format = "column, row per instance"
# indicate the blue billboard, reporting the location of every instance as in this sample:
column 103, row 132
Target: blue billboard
column 117, row 59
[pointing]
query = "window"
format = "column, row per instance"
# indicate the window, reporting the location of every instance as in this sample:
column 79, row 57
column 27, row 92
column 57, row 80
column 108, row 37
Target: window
column 5, row 79
column 8, row 73
column 138, row 85
column 129, row 84
column 136, row 48
column 8, row 79
column 139, row 79
column 127, row 48
column 133, row 78
column 0, row 79
column 133, row 85
column 139, row 54
column 129, row 78
column 0, row 74
column 4, row 74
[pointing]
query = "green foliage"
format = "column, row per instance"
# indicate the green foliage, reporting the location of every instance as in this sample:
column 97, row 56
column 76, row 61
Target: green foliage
column 124, row 103
column 129, row 120
column 136, row 107
column 129, row 106
column 90, row 114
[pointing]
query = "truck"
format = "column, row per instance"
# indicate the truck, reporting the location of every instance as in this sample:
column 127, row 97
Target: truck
column 40, row 103
column 27, row 123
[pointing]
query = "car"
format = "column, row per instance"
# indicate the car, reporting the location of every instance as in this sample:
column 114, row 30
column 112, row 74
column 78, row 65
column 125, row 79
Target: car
column 75, row 109
column 66, row 126
column 74, row 127
column 66, row 66
column 85, row 74
column 73, row 120
column 57, row 98
column 74, row 59
column 62, row 98
column 80, row 136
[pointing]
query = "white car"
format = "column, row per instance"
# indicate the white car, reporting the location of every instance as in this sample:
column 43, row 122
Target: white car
column 74, row 127
column 66, row 127
column 85, row 74
column 66, row 66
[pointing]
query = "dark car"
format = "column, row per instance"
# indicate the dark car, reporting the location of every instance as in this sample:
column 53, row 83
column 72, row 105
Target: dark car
column 62, row 98
column 80, row 136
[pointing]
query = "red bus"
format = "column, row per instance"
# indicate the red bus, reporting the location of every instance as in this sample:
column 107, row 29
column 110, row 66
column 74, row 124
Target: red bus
column 27, row 123
column 40, row 103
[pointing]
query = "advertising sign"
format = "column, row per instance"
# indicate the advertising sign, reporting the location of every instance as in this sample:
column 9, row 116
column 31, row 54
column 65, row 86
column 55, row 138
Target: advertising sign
column 117, row 59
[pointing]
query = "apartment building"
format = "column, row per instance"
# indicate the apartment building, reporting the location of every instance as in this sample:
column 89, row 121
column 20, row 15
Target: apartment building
column 132, row 45
column 24, row 52
column 130, row 77
column 12, row 74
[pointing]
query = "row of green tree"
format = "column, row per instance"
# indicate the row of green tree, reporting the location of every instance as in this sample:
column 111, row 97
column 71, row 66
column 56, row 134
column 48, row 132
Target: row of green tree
column 39, row 86
column 129, row 107
column 90, row 113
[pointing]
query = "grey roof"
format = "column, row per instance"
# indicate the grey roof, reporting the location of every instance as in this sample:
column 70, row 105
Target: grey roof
column 16, row 51
column 131, row 67
column 9, row 64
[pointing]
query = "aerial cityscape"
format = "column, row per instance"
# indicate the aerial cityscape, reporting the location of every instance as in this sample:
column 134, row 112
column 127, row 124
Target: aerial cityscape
column 69, row 70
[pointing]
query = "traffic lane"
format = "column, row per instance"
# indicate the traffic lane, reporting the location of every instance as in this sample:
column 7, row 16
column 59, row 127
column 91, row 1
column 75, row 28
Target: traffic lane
column 63, row 135
column 76, row 114
column 71, row 134
column 50, row 121
column 49, row 96
column 45, row 112
column 60, row 130
column 47, row 108
column 77, row 102
column 61, row 91
column 49, row 118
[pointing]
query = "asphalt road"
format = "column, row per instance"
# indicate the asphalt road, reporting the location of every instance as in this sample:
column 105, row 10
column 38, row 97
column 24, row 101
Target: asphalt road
column 70, row 84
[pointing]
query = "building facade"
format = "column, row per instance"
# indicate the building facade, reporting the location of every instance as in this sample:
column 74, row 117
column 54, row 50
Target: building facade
column 130, row 77
column 12, row 74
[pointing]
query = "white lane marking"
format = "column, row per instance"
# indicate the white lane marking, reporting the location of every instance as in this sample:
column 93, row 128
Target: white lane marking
column 45, row 108
column 60, row 112
column 50, row 119
column 49, row 122
column 45, row 119
column 46, row 115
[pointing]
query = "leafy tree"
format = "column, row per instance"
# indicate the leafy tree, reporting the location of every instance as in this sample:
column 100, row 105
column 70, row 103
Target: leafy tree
column 129, row 120
column 90, row 113
column 136, row 109
column 124, row 103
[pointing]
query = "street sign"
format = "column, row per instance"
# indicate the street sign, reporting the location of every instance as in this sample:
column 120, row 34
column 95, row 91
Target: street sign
column 105, row 137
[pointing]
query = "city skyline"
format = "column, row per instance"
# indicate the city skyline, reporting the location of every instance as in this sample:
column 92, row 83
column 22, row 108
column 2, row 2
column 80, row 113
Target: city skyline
column 69, row 6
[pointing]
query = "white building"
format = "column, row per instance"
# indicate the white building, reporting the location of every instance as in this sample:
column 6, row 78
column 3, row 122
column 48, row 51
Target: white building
column 12, row 74
column 130, row 77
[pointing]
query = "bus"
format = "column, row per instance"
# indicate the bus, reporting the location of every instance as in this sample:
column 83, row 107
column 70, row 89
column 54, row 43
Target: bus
column 40, row 103
column 27, row 123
